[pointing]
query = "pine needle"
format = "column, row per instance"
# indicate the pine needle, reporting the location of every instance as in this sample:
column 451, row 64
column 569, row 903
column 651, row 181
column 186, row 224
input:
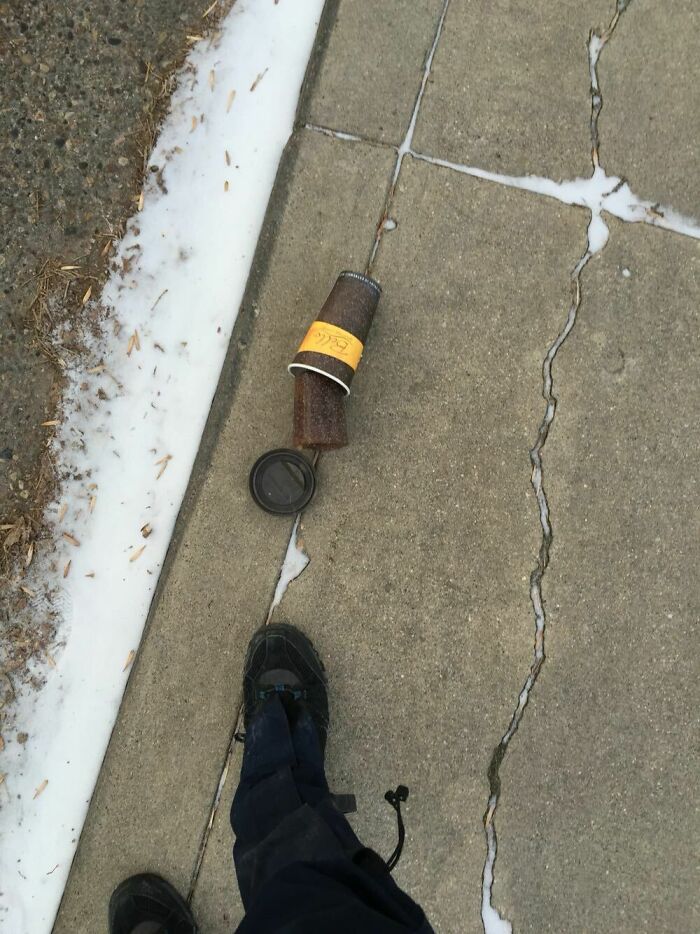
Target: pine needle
column 258, row 79
column 134, row 343
column 158, row 299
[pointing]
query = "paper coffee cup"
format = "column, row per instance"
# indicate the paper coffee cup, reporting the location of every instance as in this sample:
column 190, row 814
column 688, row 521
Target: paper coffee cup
column 334, row 343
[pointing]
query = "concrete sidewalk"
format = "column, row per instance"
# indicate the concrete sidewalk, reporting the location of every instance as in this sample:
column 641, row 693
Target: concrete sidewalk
column 425, row 530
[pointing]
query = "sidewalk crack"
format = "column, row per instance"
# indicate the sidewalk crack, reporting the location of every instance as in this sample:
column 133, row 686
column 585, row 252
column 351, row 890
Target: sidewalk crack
column 347, row 137
column 597, row 237
column 491, row 919
column 596, row 43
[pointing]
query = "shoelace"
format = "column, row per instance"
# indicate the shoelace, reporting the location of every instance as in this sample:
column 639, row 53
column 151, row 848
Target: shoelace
column 263, row 694
column 296, row 693
column 395, row 798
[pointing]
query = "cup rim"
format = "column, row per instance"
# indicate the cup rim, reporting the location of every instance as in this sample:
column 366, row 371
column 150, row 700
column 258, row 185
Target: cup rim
column 315, row 369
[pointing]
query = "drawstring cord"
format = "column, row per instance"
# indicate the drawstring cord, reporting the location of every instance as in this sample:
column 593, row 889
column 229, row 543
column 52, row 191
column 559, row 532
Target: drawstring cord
column 395, row 798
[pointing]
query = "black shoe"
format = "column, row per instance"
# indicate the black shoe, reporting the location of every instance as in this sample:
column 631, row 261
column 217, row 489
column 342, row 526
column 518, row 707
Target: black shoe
column 282, row 660
column 147, row 904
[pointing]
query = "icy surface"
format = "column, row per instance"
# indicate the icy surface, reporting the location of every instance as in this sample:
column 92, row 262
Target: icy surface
column 133, row 417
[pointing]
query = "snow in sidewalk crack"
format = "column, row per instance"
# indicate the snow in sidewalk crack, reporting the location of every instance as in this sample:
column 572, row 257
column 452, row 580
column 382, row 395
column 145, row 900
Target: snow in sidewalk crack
column 340, row 134
column 599, row 193
column 295, row 562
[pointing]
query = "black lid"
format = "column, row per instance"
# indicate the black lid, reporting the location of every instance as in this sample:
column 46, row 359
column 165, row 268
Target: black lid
column 282, row 481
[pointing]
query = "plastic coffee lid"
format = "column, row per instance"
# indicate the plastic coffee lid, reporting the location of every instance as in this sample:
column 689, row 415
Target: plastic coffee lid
column 282, row 481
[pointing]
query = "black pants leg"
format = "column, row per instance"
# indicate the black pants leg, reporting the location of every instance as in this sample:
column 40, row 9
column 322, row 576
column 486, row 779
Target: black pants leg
column 300, row 867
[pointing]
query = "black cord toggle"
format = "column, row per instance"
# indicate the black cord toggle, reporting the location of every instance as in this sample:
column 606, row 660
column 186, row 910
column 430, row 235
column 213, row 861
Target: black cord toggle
column 395, row 798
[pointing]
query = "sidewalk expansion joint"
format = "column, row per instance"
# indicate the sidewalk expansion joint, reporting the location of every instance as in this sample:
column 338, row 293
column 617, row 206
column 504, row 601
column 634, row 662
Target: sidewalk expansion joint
column 405, row 146
column 293, row 565
column 214, row 810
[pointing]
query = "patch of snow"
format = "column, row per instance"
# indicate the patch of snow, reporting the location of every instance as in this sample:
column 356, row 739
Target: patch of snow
column 598, row 233
column 596, row 44
column 295, row 561
column 490, row 918
column 133, row 417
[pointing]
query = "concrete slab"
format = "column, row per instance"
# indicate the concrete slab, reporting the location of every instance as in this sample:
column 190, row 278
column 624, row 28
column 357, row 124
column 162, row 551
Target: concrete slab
column 368, row 67
column 598, row 821
column 650, row 124
column 510, row 90
column 424, row 530
column 161, row 771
